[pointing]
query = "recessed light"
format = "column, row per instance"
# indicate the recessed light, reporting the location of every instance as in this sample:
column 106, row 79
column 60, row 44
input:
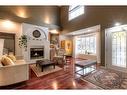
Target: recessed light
column 8, row 24
column 117, row 24
column 88, row 30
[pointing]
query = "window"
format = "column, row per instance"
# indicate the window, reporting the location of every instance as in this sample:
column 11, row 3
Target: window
column 119, row 49
column 75, row 11
column 86, row 44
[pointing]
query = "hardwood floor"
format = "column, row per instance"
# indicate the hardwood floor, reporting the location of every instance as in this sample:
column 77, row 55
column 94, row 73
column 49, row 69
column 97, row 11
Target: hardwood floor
column 64, row 79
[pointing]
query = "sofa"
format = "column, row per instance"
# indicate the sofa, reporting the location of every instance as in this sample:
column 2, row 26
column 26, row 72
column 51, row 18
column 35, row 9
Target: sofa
column 86, row 56
column 14, row 73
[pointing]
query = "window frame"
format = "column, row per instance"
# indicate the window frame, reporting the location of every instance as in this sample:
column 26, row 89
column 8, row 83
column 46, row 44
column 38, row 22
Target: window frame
column 88, row 51
column 74, row 9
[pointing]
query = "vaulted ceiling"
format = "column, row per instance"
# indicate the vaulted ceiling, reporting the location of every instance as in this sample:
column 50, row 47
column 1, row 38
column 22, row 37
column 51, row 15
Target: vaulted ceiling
column 39, row 15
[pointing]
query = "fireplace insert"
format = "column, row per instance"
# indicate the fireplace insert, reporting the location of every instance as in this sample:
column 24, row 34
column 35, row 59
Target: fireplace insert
column 36, row 53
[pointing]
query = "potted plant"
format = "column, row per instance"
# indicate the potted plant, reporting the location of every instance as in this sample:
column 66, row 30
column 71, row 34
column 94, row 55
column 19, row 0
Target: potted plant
column 23, row 42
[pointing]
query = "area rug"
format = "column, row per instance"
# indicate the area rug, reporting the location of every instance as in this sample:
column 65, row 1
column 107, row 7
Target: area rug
column 46, row 70
column 108, row 79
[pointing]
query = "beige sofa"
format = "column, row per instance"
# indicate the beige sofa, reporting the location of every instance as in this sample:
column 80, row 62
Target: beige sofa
column 86, row 56
column 14, row 73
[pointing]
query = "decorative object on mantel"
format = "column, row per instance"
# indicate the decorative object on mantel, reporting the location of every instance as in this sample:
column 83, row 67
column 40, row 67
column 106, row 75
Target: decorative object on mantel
column 36, row 33
column 23, row 42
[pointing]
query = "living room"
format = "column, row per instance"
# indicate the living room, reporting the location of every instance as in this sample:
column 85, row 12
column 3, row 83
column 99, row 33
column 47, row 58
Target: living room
column 63, row 47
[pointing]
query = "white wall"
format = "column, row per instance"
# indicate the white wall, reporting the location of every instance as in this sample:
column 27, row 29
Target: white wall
column 64, row 37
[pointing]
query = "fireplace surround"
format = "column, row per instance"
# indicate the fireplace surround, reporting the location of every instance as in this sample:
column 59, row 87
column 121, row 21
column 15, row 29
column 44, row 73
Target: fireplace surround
column 38, row 45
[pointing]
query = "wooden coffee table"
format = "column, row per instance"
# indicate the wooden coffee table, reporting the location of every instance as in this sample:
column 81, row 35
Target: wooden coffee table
column 44, row 63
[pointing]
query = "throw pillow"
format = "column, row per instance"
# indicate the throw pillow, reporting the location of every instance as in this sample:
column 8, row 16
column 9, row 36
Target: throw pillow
column 1, row 64
column 6, row 61
column 12, row 57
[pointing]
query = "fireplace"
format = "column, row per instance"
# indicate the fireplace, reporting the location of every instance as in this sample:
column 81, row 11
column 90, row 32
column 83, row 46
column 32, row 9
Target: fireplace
column 36, row 53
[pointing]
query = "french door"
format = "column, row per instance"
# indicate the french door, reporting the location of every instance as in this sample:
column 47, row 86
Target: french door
column 116, row 50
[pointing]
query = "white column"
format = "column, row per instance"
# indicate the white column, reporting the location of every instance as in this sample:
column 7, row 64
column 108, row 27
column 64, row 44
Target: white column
column 1, row 47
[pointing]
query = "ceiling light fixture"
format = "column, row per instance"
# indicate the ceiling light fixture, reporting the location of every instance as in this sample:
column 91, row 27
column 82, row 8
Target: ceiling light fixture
column 54, row 31
column 21, row 12
column 89, row 30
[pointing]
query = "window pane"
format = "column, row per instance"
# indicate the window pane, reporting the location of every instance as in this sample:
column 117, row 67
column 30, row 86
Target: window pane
column 85, row 45
column 119, row 49
column 71, row 7
column 75, row 11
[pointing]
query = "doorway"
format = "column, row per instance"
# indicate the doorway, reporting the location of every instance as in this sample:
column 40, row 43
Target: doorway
column 116, row 48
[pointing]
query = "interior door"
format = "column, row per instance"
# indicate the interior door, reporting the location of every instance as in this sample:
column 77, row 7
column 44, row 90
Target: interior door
column 116, row 50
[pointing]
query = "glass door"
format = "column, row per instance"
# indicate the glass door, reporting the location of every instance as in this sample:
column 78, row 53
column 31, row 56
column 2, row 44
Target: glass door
column 119, row 49
column 116, row 50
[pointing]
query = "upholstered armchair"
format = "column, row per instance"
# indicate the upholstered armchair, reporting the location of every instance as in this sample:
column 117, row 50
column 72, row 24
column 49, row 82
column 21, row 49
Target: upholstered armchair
column 59, row 57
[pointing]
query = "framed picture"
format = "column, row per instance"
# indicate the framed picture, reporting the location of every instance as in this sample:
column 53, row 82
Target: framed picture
column 63, row 44
column 54, row 39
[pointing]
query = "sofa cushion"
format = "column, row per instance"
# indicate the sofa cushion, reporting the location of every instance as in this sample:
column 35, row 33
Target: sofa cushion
column 12, row 57
column 20, row 62
column 6, row 61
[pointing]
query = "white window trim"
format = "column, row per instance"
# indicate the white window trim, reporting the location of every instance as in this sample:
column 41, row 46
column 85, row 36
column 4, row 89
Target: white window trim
column 74, row 9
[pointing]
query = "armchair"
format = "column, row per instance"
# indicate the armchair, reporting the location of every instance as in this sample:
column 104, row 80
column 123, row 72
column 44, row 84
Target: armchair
column 59, row 57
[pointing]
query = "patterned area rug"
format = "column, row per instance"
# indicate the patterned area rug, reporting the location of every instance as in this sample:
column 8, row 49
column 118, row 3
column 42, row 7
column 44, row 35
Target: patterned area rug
column 108, row 79
column 47, row 70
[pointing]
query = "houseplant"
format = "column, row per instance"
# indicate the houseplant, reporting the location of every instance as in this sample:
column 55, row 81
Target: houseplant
column 23, row 42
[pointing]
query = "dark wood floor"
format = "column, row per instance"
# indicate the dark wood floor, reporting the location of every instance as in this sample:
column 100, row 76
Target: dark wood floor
column 64, row 79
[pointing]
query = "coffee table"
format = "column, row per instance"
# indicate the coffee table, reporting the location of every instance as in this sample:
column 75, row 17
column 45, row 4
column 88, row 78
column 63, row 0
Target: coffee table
column 45, row 63
column 85, row 64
